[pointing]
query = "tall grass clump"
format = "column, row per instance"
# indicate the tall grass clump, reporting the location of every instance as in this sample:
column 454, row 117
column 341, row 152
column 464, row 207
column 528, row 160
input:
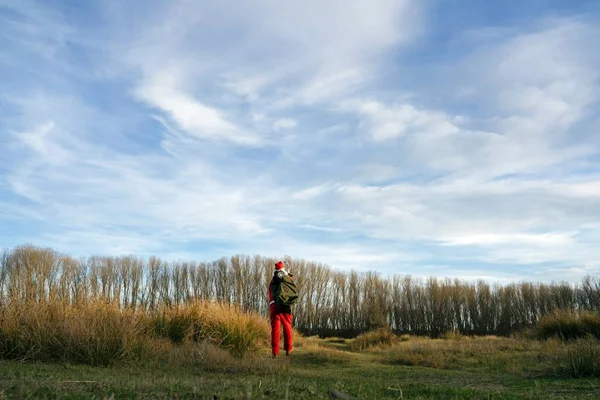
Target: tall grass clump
column 376, row 338
column 223, row 325
column 568, row 325
column 102, row 334
column 452, row 335
column 239, row 332
column 579, row 359
column 96, row 334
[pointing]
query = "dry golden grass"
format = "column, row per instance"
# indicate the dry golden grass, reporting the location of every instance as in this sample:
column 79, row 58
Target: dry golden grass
column 494, row 354
column 576, row 359
column 568, row 325
column 95, row 334
column 320, row 352
column 515, row 355
column 377, row 338
column 33, row 274
column 447, row 353
column 579, row 359
column 452, row 335
column 98, row 333
column 404, row 337
column 223, row 325
column 211, row 357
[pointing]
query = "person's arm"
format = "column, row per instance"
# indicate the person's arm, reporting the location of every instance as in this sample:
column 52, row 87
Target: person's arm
column 271, row 301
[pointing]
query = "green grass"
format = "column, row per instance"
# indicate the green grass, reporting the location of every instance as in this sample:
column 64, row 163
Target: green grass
column 480, row 368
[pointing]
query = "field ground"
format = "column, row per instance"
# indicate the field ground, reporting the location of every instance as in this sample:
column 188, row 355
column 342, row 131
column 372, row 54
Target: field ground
column 417, row 368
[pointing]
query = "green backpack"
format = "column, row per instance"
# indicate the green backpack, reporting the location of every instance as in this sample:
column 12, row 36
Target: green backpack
column 285, row 291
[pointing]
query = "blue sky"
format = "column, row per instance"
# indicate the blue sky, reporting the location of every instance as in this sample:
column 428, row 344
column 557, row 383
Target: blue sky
column 451, row 138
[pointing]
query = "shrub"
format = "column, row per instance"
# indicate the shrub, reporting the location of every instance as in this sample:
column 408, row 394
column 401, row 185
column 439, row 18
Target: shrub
column 423, row 352
column 236, row 331
column 578, row 360
column 452, row 335
column 102, row 334
column 176, row 324
column 568, row 325
column 95, row 334
column 222, row 325
column 378, row 337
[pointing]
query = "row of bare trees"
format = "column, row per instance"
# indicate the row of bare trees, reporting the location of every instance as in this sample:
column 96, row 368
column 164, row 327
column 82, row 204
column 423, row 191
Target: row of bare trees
column 331, row 302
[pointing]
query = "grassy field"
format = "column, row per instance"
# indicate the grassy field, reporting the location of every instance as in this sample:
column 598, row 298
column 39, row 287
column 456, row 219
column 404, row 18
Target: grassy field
column 94, row 329
column 409, row 368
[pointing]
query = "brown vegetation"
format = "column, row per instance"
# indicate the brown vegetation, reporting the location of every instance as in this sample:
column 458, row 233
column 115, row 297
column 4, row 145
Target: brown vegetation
column 580, row 359
column 376, row 338
column 331, row 303
column 569, row 325
column 98, row 333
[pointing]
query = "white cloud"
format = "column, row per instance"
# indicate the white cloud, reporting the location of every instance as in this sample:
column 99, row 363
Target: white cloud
column 491, row 239
column 543, row 81
column 528, row 116
column 136, row 190
column 502, row 173
column 40, row 141
column 191, row 115
column 310, row 193
column 356, row 256
column 284, row 123
column 506, row 221
column 299, row 52
column 389, row 122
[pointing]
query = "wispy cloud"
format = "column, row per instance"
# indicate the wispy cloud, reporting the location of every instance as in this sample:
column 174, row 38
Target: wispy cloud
column 318, row 130
column 284, row 123
column 190, row 115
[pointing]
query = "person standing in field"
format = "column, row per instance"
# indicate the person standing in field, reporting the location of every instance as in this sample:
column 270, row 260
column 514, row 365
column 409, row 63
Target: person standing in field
column 282, row 294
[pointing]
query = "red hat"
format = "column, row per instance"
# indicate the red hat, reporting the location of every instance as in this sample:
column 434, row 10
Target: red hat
column 279, row 265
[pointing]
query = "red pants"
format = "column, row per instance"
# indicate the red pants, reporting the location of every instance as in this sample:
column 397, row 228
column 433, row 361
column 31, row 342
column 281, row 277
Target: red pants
column 278, row 318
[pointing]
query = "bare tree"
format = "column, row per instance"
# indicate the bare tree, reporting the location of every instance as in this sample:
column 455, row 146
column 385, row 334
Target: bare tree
column 330, row 303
